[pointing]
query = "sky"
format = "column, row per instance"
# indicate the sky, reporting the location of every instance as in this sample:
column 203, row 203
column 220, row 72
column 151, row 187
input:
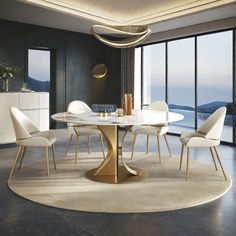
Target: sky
column 214, row 60
column 39, row 64
column 214, row 69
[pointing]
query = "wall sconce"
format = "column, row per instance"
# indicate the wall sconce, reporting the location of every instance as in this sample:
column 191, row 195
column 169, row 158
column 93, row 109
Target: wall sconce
column 99, row 71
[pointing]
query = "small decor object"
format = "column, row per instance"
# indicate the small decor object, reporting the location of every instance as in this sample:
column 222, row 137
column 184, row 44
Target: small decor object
column 7, row 71
column 120, row 111
column 127, row 104
column 104, row 109
column 25, row 88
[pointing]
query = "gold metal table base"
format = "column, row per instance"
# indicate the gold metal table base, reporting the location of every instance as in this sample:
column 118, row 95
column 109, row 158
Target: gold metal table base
column 109, row 171
column 122, row 177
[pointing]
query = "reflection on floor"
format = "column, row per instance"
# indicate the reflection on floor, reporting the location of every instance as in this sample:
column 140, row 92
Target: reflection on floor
column 21, row 217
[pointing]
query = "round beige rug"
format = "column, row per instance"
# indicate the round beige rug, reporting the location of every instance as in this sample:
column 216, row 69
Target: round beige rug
column 163, row 188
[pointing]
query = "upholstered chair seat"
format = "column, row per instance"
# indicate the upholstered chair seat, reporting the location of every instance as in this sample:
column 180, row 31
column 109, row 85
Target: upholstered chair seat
column 195, row 139
column 150, row 130
column 39, row 139
column 84, row 130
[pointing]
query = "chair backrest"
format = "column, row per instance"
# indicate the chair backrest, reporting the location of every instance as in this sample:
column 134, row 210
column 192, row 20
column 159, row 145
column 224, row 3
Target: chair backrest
column 213, row 126
column 158, row 106
column 77, row 107
column 23, row 126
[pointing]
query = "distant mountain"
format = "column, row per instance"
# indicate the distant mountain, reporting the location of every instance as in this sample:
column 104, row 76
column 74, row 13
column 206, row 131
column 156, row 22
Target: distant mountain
column 211, row 107
column 205, row 108
column 37, row 85
column 180, row 107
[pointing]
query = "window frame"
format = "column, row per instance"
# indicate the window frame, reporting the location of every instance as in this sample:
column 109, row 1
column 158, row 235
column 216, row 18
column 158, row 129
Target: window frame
column 195, row 36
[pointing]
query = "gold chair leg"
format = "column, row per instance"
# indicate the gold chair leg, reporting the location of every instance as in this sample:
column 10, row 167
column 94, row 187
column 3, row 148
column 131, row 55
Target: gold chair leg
column 213, row 158
column 89, row 148
column 181, row 157
column 134, row 140
column 147, row 144
column 53, row 156
column 15, row 161
column 76, row 148
column 68, row 145
column 187, row 166
column 221, row 166
column 159, row 148
column 46, row 158
column 102, row 146
column 22, row 157
column 167, row 144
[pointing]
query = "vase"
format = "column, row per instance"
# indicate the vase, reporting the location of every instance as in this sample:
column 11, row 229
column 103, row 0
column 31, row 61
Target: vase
column 127, row 104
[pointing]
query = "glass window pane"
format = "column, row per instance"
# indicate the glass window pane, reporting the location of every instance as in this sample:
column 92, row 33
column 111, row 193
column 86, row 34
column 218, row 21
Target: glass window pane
column 181, row 92
column 137, row 78
column 214, row 67
column 39, row 70
column 153, row 73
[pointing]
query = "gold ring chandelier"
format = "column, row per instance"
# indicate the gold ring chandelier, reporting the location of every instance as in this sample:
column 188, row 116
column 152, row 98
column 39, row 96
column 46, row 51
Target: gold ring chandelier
column 131, row 35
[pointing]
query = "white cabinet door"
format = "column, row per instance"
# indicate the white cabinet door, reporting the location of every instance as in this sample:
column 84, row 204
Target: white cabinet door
column 43, row 100
column 29, row 101
column 44, row 119
column 7, row 100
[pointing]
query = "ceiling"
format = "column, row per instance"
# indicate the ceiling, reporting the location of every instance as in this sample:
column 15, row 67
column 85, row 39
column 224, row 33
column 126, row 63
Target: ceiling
column 80, row 15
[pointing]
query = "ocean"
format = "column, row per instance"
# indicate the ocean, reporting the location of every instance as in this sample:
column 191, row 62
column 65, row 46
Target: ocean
column 184, row 95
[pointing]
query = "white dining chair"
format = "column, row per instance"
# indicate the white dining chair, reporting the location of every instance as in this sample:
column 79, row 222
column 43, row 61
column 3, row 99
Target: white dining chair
column 77, row 107
column 207, row 135
column 155, row 130
column 28, row 135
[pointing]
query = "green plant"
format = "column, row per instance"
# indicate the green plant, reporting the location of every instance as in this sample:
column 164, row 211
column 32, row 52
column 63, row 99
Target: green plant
column 8, row 71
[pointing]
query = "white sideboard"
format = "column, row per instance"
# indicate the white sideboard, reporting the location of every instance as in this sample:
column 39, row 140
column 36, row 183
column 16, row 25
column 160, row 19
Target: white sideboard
column 35, row 105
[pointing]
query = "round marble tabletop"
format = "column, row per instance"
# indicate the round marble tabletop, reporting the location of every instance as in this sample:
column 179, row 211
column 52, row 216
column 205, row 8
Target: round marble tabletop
column 138, row 117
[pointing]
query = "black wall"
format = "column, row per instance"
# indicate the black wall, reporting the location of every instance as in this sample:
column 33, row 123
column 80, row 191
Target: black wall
column 73, row 57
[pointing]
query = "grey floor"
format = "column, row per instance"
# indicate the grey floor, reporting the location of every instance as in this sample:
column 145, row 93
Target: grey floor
column 21, row 217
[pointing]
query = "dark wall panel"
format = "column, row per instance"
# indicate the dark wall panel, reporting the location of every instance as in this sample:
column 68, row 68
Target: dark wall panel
column 79, row 63
column 12, row 50
column 113, row 62
column 73, row 56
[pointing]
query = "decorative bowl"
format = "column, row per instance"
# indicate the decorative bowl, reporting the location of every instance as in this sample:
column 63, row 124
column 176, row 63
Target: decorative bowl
column 104, row 109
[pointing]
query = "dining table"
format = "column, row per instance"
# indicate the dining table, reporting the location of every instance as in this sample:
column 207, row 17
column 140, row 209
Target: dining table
column 111, row 170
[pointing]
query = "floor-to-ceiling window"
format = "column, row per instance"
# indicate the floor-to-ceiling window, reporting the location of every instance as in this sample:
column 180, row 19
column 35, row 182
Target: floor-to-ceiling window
column 214, row 80
column 196, row 72
column 181, row 80
column 153, row 73
column 137, row 81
